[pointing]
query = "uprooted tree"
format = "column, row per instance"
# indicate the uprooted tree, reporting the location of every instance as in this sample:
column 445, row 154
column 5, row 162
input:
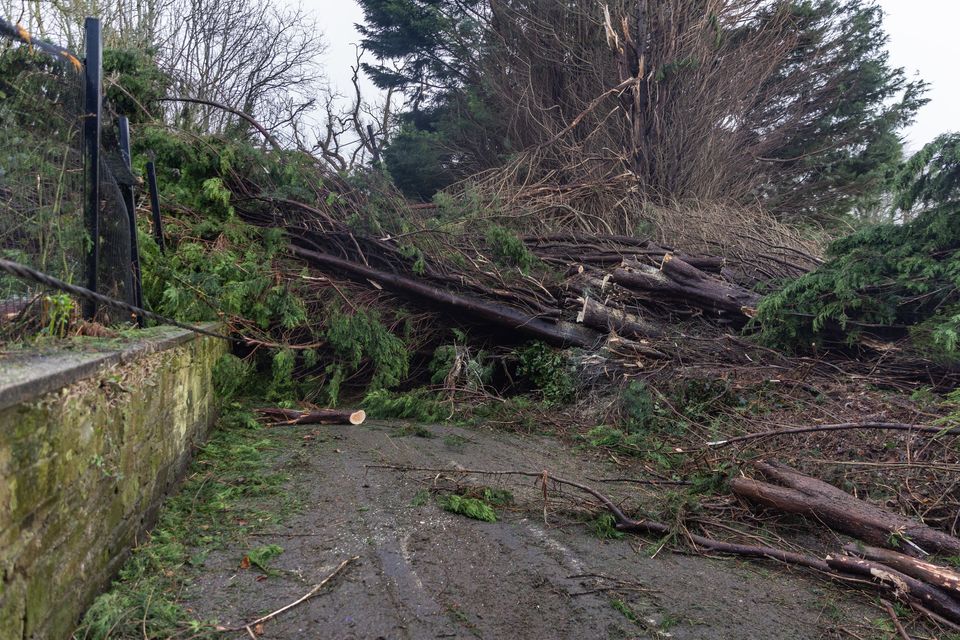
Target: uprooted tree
column 622, row 245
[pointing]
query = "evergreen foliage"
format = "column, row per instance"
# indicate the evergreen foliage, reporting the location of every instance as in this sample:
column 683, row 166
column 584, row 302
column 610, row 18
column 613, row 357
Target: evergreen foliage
column 887, row 280
column 548, row 370
column 420, row 405
column 437, row 39
column 470, row 507
column 847, row 151
column 359, row 338
column 509, row 251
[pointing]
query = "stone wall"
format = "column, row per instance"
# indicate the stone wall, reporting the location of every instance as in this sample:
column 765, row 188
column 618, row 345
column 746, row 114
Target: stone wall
column 86, row 461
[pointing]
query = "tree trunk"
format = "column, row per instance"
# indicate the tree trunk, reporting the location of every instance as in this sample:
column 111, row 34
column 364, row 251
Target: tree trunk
column 841, row 511
column 316, row 416
column 559, row 333
column 946, row 579
column 606, row 319
column 682, row 282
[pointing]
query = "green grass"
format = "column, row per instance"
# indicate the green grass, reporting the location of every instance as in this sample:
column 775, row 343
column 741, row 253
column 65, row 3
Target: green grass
column 232, row 477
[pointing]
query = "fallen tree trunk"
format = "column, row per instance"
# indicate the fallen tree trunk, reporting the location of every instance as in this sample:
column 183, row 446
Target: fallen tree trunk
column 839, row 510
column 560, row 333
column 907, row 588
column 682, row 282
column 607, row 250
column 606, row 319
column 316, row 416
column 941, row 577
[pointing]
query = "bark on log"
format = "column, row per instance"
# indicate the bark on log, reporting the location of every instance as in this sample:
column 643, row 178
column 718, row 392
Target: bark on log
column 685, row 283
column 941, row 577
column 606, row 319
column 609, row 250
column 316, row 416
column 839, row 510
column 561, row 333
column 904, row 586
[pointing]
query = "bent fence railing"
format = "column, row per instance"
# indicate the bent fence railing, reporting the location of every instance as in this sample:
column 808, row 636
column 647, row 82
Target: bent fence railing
column 67, row 199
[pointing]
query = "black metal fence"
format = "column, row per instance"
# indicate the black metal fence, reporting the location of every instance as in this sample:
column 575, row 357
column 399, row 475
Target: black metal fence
column 67, row 201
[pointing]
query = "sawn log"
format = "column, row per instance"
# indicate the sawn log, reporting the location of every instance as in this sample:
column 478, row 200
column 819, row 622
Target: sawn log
column 808, row 496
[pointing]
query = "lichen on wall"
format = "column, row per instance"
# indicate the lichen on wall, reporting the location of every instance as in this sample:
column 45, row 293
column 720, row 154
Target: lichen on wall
column 83, row 470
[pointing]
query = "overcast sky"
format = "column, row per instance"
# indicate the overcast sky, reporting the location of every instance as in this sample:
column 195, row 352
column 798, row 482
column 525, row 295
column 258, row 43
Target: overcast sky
column 923, row 41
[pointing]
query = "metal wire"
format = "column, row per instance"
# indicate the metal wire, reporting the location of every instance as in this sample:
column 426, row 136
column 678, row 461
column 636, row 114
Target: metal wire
column 28, row 274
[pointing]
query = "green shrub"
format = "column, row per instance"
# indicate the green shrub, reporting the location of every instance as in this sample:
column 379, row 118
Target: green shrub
column 639, row 410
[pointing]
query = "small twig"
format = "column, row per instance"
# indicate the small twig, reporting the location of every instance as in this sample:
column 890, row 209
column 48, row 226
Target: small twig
column 316, row 589
column 895, row 619
column 639, row 481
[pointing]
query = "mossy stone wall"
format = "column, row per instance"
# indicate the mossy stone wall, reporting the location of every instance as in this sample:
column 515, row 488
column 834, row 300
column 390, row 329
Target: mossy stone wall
column 83, row 470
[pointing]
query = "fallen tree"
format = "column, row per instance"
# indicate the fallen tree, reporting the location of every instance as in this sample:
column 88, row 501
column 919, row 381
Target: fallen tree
column 839, row 510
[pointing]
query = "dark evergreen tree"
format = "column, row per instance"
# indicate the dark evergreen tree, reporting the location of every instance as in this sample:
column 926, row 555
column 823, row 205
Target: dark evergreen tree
column 434, row 42
column 849, row 108
column 815, row 136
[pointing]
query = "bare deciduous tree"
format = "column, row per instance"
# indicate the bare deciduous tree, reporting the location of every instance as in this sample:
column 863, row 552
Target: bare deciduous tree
column 351, row 131
column 255, row 58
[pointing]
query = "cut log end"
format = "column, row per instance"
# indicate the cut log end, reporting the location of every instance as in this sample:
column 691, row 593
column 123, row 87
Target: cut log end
column 358, row 417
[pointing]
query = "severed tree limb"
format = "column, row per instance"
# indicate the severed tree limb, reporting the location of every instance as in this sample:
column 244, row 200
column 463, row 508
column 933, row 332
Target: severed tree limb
column 844, row 426
column 681, row 281
column 906, row 588
column 839, row 510
column 603, row 318
column 941, row 577
column 316, row 416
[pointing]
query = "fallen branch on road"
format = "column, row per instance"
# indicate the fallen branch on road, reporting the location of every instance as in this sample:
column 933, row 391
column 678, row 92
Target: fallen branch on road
column 797, row 493
column 316, row 416
column 314, row 591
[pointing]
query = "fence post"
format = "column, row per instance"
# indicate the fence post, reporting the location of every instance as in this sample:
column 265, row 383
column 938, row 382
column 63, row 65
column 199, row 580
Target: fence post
column 155, row 205
column 128, row 200
column 93, row 104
